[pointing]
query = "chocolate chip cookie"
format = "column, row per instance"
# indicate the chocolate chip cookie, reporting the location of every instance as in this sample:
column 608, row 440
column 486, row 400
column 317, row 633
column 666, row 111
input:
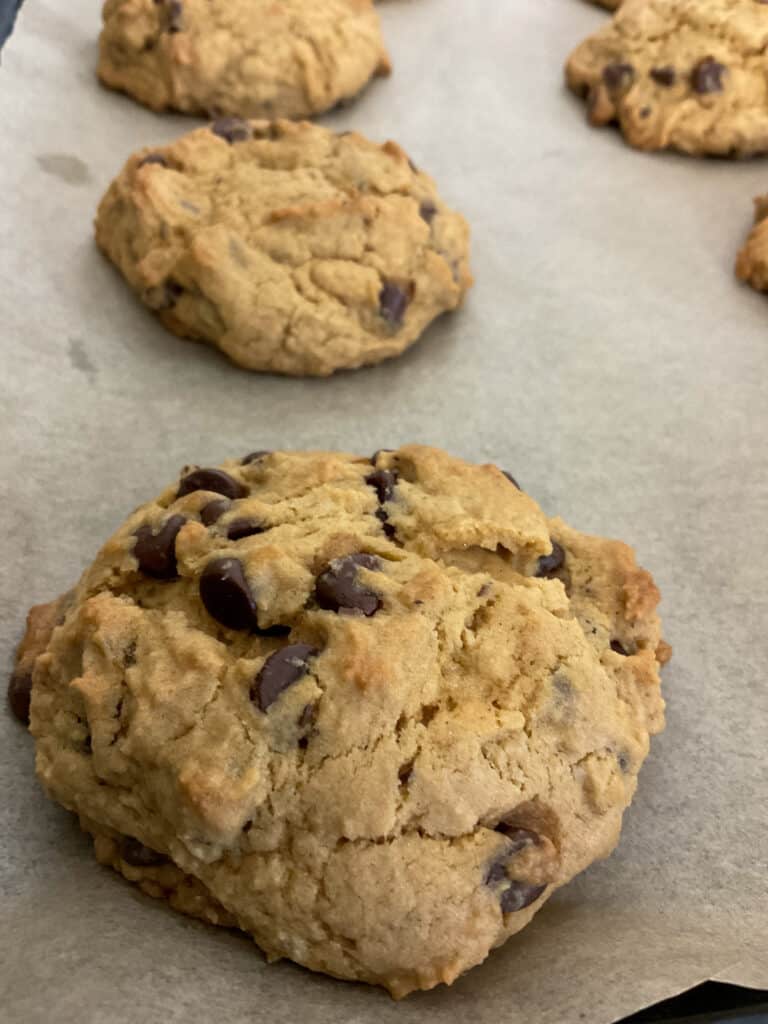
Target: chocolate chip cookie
column 289, row 247
column 372, row 711
column 752, row 261
column 681, row 74
column 250, row 58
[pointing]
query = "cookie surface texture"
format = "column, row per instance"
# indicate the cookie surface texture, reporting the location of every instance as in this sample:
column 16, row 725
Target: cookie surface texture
column 248, row 58
column 293, row 249
column 679, row 74
column 373, row 712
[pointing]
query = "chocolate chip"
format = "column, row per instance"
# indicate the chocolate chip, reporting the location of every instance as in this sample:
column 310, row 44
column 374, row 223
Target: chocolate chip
column 618, row 77
column 511, row 479
column 164, row 296
column 707, row 76
column 20, row 694
column 279, row 671
column 645, row 112
column 153, row 158
column 338, row 588
column 393, row 302
column 226, row 595
column 518, row 837
column 618, row 647
column 622, row 758
column 138, row 855
column 519, row 895
column 383, row 480
column 214, row 510
column 387, row 527
column 232, row 129
column 156, row 552
column 240, row 528
column 174, row 12
column 254, row 457
column 129, row 655
column 549, row 564
column 666, row 76
column 215, row 480
column 427, row 210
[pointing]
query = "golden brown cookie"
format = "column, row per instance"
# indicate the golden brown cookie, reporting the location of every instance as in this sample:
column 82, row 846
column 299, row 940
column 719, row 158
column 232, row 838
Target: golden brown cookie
column 680, row 74
column 250, row 58
column 374, row 712
column 290, row 248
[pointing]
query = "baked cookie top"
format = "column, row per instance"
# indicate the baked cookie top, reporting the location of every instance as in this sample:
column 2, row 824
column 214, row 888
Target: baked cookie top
column 680, row 74
column 252, row 58
column 290, row 247
column 379, row 709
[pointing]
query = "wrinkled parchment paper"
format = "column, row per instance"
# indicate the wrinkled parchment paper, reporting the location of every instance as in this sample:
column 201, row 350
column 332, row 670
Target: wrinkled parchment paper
column 607, row 357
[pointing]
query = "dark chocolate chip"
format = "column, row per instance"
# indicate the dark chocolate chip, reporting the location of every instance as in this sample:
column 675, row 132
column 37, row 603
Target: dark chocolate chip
column 645, row 112
column 393, row 302
column 519, row 895
column 232, row 129
column 618, row 77
column 427, row 210
column 153, row 158
column 618, row 647
column 622, row 758
column 240, row 528
column 549, row 564
column 214, row 510
column 707, row 76
column 387, row 527
column 156, row 552
column 226, row 595
column 511, row 479
column 279, row 671
column 254, row 457
column 338, row 588
column 138, row 855
column 164, row 296
column 383, row 480
column 20, row 694
column 215, row 480
column 666, row 76
column 276, row 630
column 174, row 13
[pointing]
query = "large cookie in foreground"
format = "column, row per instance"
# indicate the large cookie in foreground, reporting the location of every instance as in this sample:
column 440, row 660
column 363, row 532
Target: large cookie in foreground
column 374, row 712
column 293, row 249
column 680, row 74
column 250, row 58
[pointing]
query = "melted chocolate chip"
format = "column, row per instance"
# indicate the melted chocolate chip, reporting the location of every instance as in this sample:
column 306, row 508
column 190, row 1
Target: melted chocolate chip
column 156, row 552
column 427, row 210
column 393, row 302
column 153, row 158
column 232, row 129
column 20, row 695
column 387, row 527
column 519, row 895
column 707, row 76
column 618, row 647
column 281, row 670
column 338, row 589
column 240, row 528
column 226, row 595
column 383, row 480
column 254, row 457
column 618, row 77
column 138, row 855
column 511, row 479
column 549, row 564
column 214, row 510
column 215, row 480
column 174, row 13
column 666, row 76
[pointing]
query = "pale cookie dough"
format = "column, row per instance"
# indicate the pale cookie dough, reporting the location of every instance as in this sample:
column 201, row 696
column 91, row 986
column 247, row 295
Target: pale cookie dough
column 682, row 74
column 752, row 261
column 250, row 58
column 291, row 248
column 372, row 711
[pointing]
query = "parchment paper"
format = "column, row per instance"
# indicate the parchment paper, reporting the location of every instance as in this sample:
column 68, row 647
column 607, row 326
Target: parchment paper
column 606, row 356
